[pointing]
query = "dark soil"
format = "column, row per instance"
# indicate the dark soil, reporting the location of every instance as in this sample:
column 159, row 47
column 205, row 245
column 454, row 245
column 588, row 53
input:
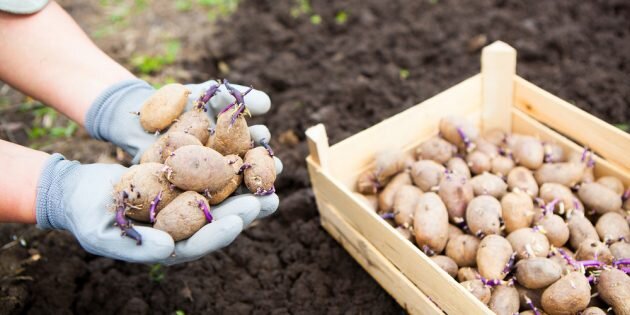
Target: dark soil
column 349, row 76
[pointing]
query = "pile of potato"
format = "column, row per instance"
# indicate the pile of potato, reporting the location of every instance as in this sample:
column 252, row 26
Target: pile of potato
column 520, row 223
column 191, row 166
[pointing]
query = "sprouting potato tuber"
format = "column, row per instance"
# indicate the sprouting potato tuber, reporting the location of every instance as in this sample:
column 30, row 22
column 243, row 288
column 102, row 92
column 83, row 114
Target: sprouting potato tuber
column 553, row 153
column 454, row 231
column 528, row 152
column 612, row 227
column 594, row 250
column 430, row 222
column 427, row 174
column 580, row 229
column 216, row 197
column 614, row 288
column 161, row 149
column 521, row 178
column 501, row 165
column 183, row 216
column 163, row 107
column 479, row 162
column 517, row 210
column 456, row 191
column 564, row 173
column 504, row 300
column 486, row 147
column 231, row 137
column 569, row 295
column 457, row 165
column 198, row 168
column 145, row 185
column 386, row 197
column 483, row 215
column 195, row 123
column 495, row 136
column 260, row 174
column 493, row 255
column 612, row 183
column 467, row 273
column 446, row 264
column 478, row 289
column 388, row 164
column 620, row 250
column 458, row 131
column 462, row 249
column 405, row 200
column 436, row 149
column 367, row 184
column 555, row 229
column 528, row 243
column 488, row 184
column 552, row 191
column 537, row 272
column 600, row 198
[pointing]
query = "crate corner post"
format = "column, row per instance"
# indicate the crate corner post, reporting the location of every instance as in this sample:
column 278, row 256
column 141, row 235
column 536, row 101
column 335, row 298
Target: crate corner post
column 318, row 145
column 498, row 70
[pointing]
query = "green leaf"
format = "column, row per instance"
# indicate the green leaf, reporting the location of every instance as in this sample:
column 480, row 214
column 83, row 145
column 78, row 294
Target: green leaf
column 180, row 312
column 183, row 5
column 341, row 17
column 404, row 73
column 156, row 273
column 316, row 19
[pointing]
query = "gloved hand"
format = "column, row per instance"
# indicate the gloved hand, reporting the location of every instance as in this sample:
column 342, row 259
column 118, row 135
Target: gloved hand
column 79, row 198
column 111, row 118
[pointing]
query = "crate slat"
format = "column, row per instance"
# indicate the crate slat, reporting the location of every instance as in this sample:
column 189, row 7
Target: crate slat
column 607, row 141
column 498, row 66
column 381, row 269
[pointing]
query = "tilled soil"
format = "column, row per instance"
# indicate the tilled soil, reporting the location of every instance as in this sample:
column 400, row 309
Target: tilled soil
column 349, row 74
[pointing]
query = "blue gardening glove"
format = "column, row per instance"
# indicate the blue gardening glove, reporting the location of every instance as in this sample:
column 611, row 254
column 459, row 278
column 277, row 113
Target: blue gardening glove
column 79, row 198
column 111, row 119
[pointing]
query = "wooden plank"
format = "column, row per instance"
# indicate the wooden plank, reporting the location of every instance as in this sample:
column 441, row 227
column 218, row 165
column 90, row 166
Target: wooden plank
column 318, row 144
column 350, row 156
column 522, row 123
column 498, row 66
column 381, row 269
column 606, row 140
column 415, row 265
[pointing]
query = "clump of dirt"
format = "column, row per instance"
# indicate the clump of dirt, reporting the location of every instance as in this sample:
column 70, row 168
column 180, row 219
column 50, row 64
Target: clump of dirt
column 348, row 64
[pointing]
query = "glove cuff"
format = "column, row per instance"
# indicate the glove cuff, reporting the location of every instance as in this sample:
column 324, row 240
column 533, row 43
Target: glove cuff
column 49, row 209
column 122, row 98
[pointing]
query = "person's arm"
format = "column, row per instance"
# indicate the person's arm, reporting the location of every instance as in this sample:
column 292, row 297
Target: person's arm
column 48, row 57
column 20, row 168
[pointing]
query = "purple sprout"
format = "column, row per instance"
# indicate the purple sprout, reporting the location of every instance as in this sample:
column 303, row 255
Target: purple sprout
column 265, row 192
column 206, row 211
column 243, row 168
column 239, row 101
column 387, row 215
column 154, row 205
column 205, row 97
column 464, row 137
column 568, row 258
column 125, row 225
column 591, row 263
column 625, row 269
column 619, row 262
column 510, row 264
column 491, row 282
column 626, row 195
column 266, row 145
column 427, row 250
column 548, row 208
column 584, row 153
column 592, row 279
column 531, row 305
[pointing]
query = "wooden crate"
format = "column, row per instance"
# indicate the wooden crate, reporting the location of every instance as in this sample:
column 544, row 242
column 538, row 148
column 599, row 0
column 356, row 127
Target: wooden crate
column 495, row 98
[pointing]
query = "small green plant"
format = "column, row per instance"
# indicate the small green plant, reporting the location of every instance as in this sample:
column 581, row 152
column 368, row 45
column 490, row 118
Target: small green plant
column 47, row 121
column 183, row 5
column 623, row 126
column 146, row 64
column 157, row 273
column 404, row 74
column 316, row 19
column 341, row 17
column 180, row 312
column 219, row 8
column 301, row 7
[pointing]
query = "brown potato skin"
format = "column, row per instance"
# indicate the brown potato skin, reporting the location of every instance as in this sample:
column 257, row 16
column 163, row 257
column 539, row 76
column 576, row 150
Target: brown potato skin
column 161, row 149
column 564, row 173
column 427, row 174
column 405, row 233
column 600, row 198
column 580, row 229
column 367, row 183
column 234, row 139
column 388, row 164
column 478, row 162
column 569, row 295
column 182, row 217
column 502, row 165
column 504, row 300
column 593, row 310
column 430, row 222
column 448, row 129
column 483, row 214
column 555, row 229
column 554, row 153
column 495, row 136
column 612, row 226
column 620, row 250
column 522, row 178
column 446, row 263
column 528, row 152
column 436, row 149
column 478, row 289
column 143, row 183
column 386, row 197
column 488, row 184
column 493, row 254
column 163, row 107
column 456, row 192
column 195, row 123
column 454, row 231
column 517, row 210
column 198, row 168
column 487, row 147
column 537, row 272
column 614, row 288
column 533, row 295
column 590, row 249
column 467, row 273
column 462, row 249
column 262, row 173
column 538, row 242
column 613, row 183
column 458, row 166
column 219, row 196
column 550, row 191
column 405, row 201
